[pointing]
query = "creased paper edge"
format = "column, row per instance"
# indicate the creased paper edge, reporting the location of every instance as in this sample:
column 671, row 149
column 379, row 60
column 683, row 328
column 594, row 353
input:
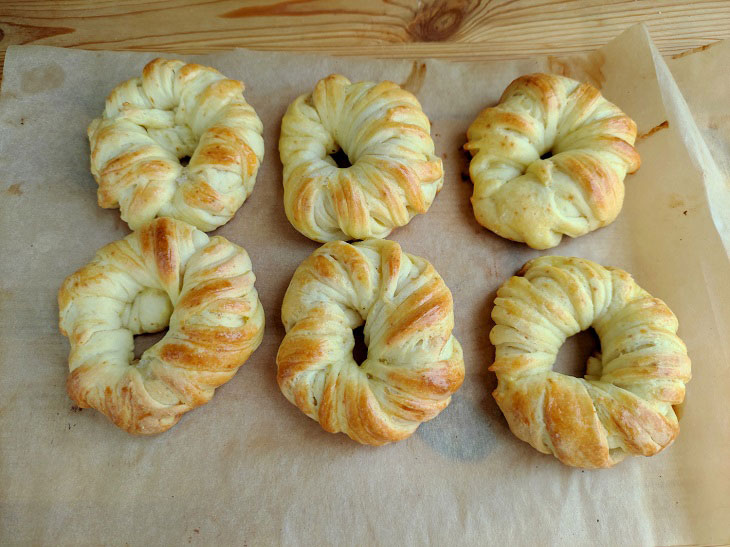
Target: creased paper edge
column 679, row 114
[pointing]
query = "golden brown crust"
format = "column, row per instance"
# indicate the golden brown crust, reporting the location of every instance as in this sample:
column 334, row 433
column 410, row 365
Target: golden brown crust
column 175, row 110
column 414, row 363
column 578, row 189
column 382, row 129
column 166, row 272
column 624, row 403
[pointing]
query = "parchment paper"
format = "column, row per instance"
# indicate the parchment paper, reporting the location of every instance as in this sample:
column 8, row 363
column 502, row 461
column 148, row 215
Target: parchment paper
column 249, row 468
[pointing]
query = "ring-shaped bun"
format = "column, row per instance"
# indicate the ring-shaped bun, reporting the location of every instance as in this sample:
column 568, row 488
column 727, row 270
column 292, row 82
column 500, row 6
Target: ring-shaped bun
column 167, row 273
column 624, row 404
column 394, row 172
column 521, row 194
column 413, row 364
column 176, row 110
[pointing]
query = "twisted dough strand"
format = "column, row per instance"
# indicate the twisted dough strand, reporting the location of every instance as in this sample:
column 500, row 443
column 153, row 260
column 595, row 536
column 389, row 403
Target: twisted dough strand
column 624, row 403
column 167, row 272
column 414, row 363
column 578, row 189
column 176, row 110
column 385, row 134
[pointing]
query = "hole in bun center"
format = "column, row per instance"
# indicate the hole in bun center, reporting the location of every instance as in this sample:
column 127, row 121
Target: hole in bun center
column 574, row 353
column 547, row 155
column 360, row 351
column 341, row 159
column 142, row 342
column 184, row 161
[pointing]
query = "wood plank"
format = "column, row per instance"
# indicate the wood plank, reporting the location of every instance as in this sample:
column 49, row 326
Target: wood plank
column 452, row 29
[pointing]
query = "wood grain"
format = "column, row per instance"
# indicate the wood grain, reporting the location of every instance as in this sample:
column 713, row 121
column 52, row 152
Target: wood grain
column 453, row 29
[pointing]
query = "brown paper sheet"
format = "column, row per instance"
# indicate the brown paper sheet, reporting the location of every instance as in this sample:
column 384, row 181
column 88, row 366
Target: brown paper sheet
column 249, row 468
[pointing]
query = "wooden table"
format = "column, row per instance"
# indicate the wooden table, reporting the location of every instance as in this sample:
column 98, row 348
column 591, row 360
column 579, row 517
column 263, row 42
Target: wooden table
column 453, row 29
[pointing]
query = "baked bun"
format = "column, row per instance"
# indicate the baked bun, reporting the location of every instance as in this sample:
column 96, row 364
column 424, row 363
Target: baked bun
column 166, row 273
column 394, row 173
column 623, row 405
column 413, row 364
column 578, row 188
column 176, row 110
